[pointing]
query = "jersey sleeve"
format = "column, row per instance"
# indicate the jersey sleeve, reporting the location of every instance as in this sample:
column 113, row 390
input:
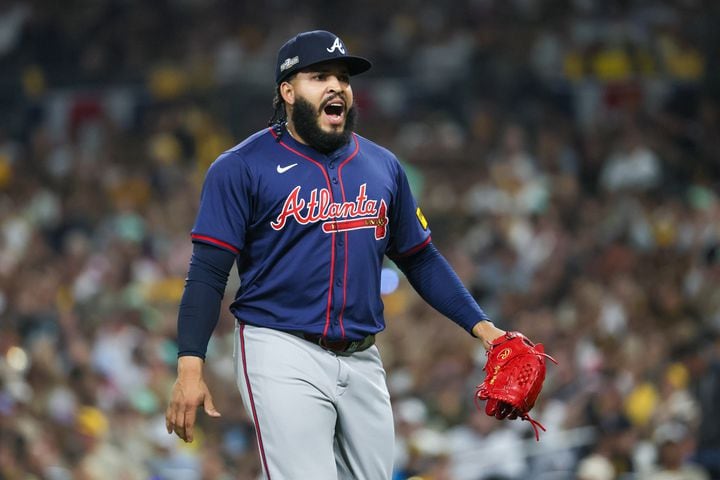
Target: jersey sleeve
column 225, row 204
column 409, row 231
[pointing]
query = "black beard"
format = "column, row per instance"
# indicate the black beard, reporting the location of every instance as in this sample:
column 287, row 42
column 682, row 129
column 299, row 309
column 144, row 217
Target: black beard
column 305, row 120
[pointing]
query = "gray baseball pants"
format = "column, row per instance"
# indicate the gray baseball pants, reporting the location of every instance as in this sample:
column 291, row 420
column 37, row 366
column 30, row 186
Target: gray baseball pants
column 317, row 415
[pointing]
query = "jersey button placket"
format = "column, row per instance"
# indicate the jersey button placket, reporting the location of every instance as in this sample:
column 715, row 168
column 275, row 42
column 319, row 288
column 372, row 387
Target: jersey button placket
column 338, row 294
column 338, row 301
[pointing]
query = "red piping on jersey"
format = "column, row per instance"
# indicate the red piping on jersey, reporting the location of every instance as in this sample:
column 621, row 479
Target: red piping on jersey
column 215, row 241
column 252, row 401
column 414, row 249
column 342, row 189
column 332, row 238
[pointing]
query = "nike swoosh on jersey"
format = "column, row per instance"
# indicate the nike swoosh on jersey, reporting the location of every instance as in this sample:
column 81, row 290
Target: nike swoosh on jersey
column 285, row 169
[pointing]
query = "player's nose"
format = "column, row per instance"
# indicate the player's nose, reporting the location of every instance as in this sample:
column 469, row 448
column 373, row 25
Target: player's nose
column 333, row 87
column 334, row 83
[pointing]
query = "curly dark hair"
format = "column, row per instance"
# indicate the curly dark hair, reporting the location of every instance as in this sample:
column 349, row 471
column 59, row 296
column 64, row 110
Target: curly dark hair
column 279, row 115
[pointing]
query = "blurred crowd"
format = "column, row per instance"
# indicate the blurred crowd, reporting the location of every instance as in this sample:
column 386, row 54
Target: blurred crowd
column 565, row 153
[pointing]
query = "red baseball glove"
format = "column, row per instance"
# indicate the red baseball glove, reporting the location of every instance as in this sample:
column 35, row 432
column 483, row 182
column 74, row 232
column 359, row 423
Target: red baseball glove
column 515, row 373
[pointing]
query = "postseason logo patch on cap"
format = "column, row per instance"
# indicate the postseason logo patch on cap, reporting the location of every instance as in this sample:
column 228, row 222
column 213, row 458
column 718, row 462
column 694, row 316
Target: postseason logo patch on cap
column 289, row 62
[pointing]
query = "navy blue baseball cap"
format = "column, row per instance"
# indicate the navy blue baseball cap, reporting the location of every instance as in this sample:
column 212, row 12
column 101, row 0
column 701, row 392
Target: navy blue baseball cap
column 311, row 48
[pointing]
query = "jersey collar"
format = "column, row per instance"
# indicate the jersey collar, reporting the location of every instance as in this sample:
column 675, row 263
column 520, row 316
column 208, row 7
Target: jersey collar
column 341, row 152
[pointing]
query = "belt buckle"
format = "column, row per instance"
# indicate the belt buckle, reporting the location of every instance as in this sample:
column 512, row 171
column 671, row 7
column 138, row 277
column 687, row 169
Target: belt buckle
column 323, row 342
column 349, row 346
column 339, row 347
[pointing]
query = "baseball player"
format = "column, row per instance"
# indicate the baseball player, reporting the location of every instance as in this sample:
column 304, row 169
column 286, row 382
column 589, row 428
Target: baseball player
column 308, row 209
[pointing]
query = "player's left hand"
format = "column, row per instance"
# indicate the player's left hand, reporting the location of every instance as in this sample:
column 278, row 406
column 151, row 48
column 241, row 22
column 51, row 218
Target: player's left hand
column 487, row 332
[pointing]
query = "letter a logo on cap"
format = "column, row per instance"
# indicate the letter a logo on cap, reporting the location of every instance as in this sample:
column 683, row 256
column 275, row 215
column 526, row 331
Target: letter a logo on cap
column 336, row 46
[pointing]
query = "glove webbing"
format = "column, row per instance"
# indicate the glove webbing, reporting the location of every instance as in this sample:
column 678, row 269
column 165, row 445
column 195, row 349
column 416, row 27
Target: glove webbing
column 535, row 424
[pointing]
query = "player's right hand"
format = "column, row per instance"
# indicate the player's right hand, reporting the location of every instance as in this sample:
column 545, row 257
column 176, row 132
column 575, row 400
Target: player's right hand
column 188, row 393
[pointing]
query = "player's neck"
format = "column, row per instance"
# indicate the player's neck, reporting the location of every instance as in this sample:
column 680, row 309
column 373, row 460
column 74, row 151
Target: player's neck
column 293, row 133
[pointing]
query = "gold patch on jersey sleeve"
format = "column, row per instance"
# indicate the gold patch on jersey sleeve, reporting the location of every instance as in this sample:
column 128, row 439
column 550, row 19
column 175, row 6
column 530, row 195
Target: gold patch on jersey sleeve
column 421, row 218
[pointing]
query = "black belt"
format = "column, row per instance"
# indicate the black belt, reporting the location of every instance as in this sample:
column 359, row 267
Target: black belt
column 338, row 347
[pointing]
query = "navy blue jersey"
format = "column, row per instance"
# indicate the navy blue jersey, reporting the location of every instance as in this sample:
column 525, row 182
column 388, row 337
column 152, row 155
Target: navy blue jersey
column 310, row 231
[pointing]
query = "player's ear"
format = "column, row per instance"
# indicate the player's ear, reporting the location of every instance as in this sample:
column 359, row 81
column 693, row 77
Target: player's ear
column 287, row 92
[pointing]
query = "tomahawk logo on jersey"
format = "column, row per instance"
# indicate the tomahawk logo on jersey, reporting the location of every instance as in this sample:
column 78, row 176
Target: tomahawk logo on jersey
column 339, row 214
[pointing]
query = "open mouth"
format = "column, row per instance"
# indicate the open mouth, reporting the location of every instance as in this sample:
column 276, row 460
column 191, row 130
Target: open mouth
column 335, row 111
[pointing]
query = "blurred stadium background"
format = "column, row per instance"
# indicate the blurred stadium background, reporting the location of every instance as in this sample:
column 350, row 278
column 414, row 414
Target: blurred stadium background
column 565, row 152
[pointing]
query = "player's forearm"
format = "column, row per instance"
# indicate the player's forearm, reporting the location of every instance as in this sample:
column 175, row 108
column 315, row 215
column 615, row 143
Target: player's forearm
column 200, row 305
column 438, row 284
column 197, row 317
